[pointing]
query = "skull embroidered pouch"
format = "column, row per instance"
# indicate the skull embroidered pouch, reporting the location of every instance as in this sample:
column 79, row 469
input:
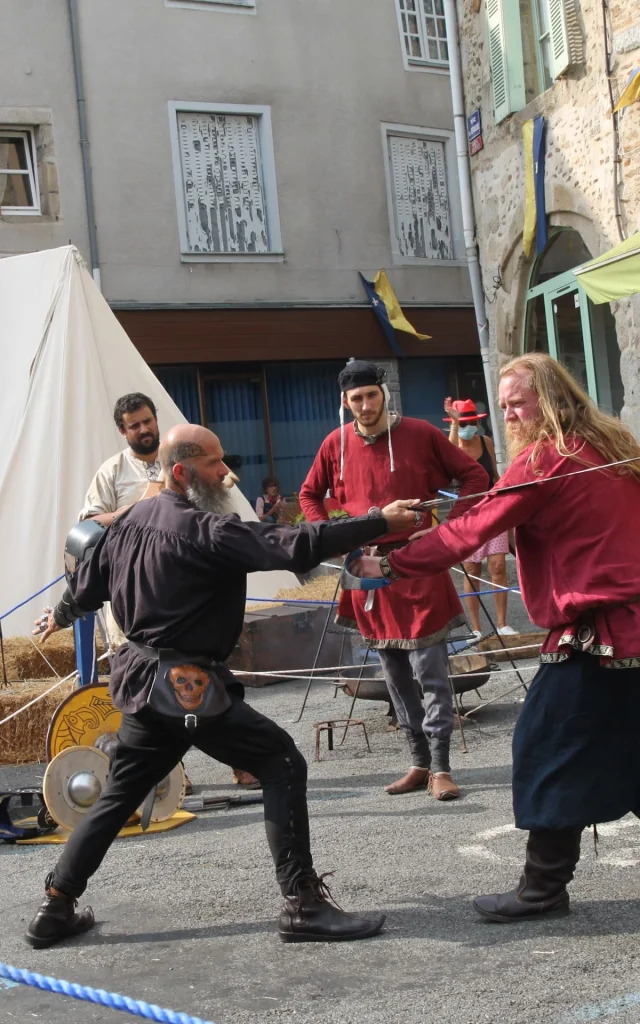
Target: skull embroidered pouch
column 185, row 686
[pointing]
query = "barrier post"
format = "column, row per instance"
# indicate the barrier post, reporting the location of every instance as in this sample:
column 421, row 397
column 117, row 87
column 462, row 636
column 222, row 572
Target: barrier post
column 84, row 636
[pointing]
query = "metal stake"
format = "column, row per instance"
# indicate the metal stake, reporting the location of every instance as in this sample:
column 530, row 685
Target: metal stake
column 317, row 657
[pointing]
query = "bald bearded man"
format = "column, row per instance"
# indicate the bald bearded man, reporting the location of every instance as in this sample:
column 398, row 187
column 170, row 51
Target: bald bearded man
column 175, row 570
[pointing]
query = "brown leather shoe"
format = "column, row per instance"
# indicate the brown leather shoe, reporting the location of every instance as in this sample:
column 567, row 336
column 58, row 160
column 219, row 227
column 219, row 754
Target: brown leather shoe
column 414, row 779
column 442, row 786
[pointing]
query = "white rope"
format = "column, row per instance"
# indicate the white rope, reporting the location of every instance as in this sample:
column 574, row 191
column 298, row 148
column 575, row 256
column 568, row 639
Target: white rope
column 39, row 697
column 496, row 650
column 42, row 655
column 35, row 700
column 293, row 671
column 487, row 583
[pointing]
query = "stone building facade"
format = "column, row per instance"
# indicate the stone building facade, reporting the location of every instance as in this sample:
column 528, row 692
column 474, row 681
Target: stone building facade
column 513, row 73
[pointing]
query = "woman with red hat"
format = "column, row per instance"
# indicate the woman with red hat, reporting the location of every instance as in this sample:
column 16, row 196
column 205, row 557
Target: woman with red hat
column 464, row 417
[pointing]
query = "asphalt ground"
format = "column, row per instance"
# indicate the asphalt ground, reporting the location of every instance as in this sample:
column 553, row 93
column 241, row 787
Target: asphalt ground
column 188, row 919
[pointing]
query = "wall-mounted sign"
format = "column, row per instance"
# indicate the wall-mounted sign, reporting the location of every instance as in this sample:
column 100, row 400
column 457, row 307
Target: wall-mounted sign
column 476, row 145
column 474, row 125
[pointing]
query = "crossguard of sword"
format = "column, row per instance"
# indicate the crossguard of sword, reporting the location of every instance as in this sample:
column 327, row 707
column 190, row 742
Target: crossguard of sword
column 351, row 582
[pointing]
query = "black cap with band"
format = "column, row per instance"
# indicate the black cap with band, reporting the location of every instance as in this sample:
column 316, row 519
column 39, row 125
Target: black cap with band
column 360, row 374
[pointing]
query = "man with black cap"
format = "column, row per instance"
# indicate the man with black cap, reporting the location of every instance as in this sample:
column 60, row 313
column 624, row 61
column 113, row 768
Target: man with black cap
column 367, row 464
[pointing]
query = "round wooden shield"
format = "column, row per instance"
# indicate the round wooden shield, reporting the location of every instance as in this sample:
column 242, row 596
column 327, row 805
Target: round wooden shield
column 81, row 717
column 73, row 782
column 169, row 795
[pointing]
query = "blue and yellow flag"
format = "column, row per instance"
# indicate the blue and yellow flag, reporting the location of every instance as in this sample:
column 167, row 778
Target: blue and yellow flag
column 631, row 93
column 387, row 308
column 535, row 214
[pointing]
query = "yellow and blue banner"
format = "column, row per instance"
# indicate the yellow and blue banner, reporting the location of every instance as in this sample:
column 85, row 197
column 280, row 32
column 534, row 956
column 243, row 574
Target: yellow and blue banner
column 631, row 92
column 535, row 214
column 387, row 309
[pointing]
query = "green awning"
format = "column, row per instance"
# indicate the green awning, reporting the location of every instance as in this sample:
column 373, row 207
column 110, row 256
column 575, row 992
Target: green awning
column 615, row 275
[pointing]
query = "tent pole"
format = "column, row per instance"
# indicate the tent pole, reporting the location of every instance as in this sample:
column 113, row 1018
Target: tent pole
column 84, row 139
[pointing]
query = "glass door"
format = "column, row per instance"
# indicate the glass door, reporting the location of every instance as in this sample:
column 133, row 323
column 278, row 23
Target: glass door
column 570, row 333
column 558, row 322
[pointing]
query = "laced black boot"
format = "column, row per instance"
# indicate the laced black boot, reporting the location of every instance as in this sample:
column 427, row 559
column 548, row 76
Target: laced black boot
column 549, row 866
column 310, row 914
column 56, row 919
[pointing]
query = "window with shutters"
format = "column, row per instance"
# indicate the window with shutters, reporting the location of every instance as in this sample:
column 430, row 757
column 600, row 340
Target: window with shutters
column 531, row 44
column 225, row 182
column 423, row 32
column 418, row 165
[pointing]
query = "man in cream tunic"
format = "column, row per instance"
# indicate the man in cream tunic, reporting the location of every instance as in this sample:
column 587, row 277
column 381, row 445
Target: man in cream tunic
column 127, row 477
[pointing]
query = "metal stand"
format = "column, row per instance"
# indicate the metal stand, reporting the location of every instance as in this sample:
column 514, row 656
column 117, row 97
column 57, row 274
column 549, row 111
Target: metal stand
column 355, row 695
column 495, row 631
column 330, row 725
column 317, row 657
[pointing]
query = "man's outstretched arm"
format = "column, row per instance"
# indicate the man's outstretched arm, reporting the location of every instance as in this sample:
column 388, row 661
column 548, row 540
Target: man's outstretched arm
column 254, row 547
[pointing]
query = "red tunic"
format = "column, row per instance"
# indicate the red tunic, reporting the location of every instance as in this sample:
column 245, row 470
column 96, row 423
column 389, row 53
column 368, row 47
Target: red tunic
column 411, row 613
column 577, row 549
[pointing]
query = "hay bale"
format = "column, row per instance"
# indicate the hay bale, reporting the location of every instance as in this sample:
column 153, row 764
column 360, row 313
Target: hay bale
column 23, row 738
column 24, row 661
column 322, row 588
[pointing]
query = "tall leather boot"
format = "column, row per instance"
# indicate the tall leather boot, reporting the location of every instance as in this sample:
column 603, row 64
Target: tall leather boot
column 550, row 862
column 56, row 919
column 310, row 915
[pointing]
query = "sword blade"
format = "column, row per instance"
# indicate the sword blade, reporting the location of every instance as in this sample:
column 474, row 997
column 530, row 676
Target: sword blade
column 147, row 809
column 518, row 487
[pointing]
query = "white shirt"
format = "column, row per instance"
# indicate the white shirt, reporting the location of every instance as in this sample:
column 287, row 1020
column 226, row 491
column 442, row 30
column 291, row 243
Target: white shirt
column 120, row 481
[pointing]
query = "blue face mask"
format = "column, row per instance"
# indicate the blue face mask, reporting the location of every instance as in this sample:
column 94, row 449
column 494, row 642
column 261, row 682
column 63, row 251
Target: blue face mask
column 466, row 433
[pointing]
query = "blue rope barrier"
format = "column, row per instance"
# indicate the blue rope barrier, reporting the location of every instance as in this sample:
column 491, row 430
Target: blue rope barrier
column 300, row 600
column 26, row 601
column 98, row 995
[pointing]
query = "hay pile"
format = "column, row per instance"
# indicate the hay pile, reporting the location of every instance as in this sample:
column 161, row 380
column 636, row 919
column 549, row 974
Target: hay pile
column 24, row 661
column 23, row 739
column 321, row 589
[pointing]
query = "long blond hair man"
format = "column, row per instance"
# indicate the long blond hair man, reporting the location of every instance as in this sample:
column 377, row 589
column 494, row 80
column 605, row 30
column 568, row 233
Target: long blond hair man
column 576, row 758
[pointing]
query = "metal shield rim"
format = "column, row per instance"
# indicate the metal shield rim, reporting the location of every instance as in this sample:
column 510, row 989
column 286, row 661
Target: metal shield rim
column 58, row 806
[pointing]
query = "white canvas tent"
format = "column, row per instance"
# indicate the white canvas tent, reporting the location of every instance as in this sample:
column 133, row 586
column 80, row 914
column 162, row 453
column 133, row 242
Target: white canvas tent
column 64, row 360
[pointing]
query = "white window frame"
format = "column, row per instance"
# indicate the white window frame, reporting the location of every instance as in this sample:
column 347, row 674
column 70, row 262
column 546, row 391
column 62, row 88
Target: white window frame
column 222, row 6
column 263, row 115
column 453, row 192
column 437, row 67
column 7, row 130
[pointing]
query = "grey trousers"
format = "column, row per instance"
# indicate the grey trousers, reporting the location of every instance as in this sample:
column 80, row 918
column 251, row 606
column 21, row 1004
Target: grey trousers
column 418, row 682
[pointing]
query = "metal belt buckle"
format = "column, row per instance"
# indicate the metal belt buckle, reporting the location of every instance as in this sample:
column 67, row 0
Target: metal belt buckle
column 585, row 636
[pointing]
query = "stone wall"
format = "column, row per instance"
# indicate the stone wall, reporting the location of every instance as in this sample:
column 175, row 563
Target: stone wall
column 580, row 171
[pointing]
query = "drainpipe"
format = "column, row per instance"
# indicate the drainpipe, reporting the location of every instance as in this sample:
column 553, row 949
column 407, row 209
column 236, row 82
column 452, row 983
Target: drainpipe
column 468, row 217
column 84, row 139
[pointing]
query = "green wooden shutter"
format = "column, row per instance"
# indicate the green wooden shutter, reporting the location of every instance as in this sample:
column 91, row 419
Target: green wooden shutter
column 567, row 46
column 498, row 60
column 505, row 57
column 560, row 56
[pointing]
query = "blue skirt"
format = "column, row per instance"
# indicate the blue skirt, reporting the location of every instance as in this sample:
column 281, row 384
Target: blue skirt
column 576, row 746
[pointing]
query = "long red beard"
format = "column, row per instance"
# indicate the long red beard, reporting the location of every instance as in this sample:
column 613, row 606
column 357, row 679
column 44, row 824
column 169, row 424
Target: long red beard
column 520, row 435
